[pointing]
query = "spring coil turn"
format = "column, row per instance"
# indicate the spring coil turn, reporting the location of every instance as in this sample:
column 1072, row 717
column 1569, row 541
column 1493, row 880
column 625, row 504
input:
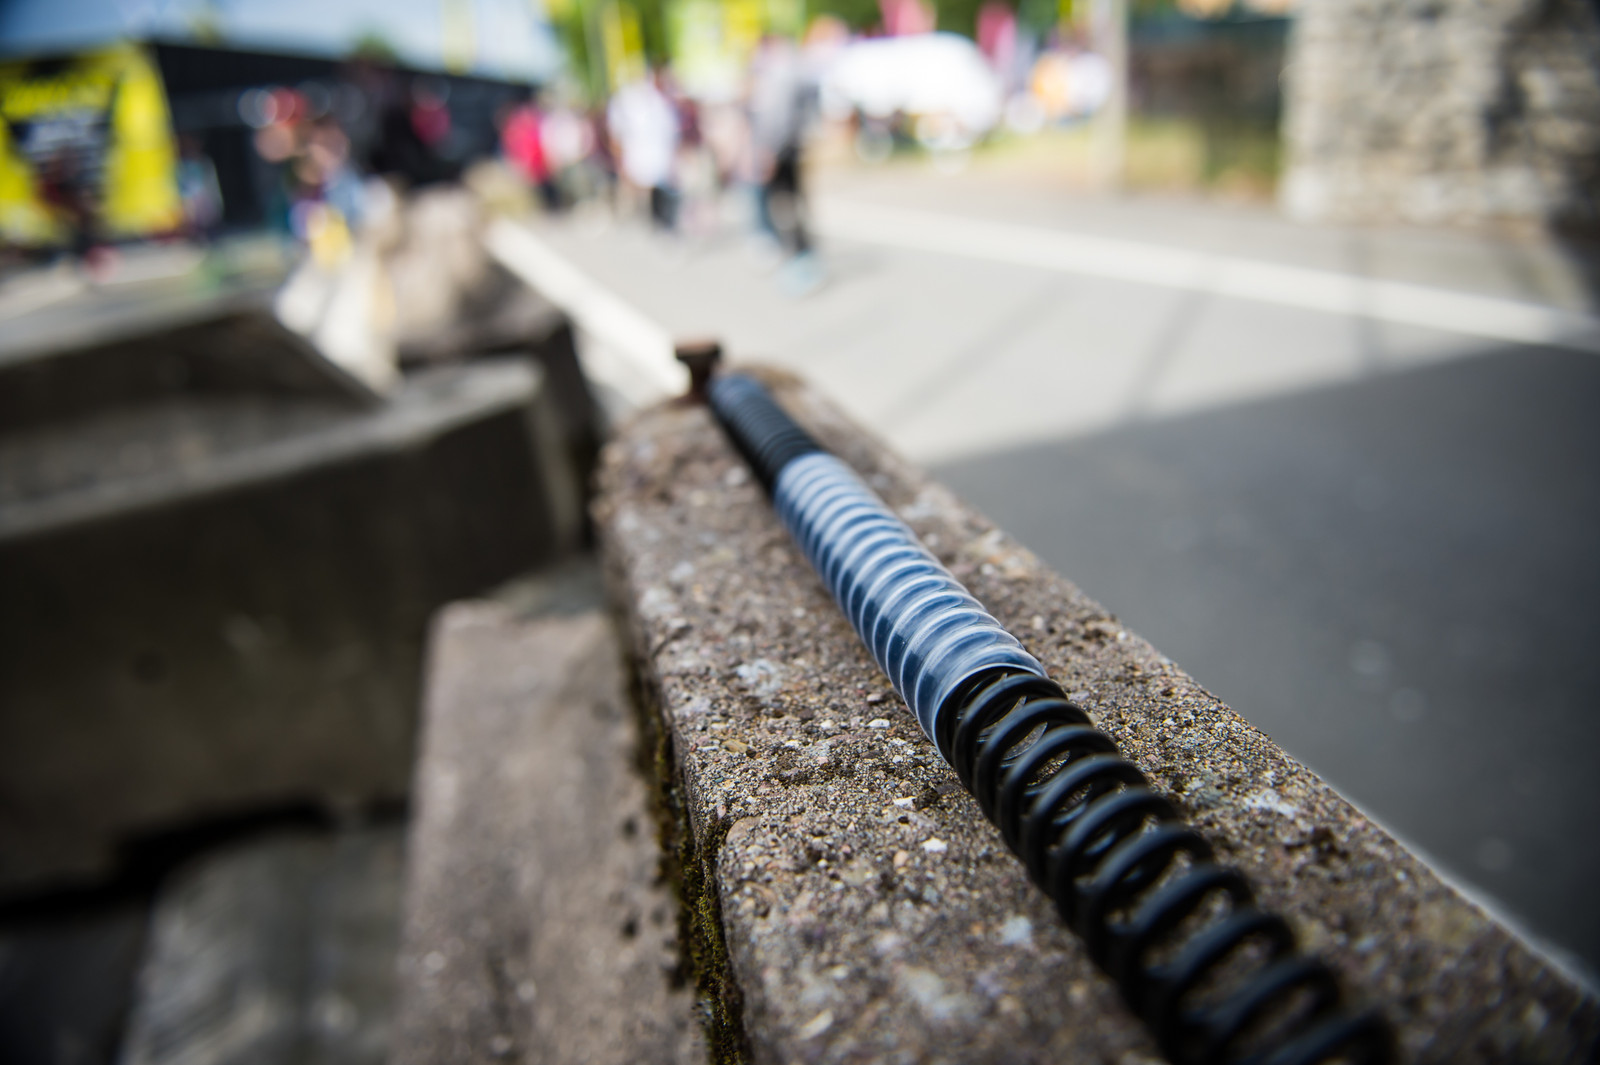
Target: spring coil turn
column 1214, row 977
column 927, row 633
column 1181, row 935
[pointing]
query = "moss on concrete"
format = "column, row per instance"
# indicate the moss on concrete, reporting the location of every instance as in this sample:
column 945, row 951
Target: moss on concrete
column 688, row 865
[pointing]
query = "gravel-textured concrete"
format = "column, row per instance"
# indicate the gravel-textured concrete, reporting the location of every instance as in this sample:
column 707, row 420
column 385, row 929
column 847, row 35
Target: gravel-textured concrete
column 868, row 911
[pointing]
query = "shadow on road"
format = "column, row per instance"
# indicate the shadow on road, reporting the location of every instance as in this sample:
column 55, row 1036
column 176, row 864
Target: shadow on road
column 1395, row 579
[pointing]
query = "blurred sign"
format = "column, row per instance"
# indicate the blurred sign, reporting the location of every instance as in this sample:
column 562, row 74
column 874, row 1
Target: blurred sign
column 86, row 150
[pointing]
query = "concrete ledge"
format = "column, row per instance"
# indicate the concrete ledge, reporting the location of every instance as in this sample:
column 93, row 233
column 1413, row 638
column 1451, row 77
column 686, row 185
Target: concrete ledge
column 162, row 455
column 537, row 926
column 857, row 905
column 190, row 636
column 136, row 350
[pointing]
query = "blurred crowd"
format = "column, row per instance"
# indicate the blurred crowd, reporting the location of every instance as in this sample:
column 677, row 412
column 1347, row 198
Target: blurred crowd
column 317, row 193
column 660, row 153
column 716, row 135
column 689, row 145
column 686, row 156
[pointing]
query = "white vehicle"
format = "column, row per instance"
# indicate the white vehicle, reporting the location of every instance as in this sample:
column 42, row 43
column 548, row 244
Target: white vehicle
column 940, row 81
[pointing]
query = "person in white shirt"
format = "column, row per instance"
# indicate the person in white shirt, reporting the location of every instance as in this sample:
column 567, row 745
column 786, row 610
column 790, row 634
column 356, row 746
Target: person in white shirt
column 645, row 127
column 781, row 94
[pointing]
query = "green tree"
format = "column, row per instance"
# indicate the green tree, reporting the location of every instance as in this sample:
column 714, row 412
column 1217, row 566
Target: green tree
column 372, row 45
column 857, row 14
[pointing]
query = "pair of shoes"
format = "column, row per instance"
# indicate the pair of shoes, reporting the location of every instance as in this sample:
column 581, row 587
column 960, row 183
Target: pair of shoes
column 802, row 275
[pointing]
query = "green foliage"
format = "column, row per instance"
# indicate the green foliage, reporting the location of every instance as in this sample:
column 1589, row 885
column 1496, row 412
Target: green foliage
column 653, row 25
column 374, row 46
column 956, row 16
column 570, row 28
column 959, row 16
column 857, row 14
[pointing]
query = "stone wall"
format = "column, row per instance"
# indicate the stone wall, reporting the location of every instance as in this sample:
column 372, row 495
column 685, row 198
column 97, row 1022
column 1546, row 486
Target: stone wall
column 1460, row 111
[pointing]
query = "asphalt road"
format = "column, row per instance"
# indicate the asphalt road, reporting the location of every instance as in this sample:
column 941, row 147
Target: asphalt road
column 1341, row 476
column 1395, row 579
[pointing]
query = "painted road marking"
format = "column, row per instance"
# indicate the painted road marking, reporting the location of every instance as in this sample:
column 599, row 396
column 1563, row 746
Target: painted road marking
column 1488, row 317
column 624, row 350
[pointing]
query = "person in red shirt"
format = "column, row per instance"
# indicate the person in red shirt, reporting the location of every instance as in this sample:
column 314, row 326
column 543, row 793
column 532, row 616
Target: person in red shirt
column 522, row 143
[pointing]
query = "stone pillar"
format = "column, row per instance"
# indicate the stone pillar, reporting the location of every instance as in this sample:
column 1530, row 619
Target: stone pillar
column 1444, row 111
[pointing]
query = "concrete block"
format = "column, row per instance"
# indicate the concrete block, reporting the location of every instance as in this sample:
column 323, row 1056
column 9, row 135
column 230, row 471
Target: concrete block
column 857, row 906
column 503, row 316
column 217, row 603
column 145, row 351
column 538, row 926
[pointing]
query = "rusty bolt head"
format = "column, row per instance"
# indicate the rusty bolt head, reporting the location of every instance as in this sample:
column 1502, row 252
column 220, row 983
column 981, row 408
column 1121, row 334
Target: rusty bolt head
column 700, row 357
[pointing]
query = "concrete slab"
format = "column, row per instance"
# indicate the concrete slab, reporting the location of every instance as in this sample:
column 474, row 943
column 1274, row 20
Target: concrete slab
column 226, row 343
column 538, row 925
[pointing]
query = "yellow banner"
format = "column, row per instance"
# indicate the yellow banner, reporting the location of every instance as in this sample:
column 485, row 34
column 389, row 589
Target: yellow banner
column 86, row 150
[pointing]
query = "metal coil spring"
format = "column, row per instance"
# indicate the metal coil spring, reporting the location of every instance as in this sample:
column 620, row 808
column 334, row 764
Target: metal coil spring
column 1215, row 978
column 1180, row 934
column 767, row 437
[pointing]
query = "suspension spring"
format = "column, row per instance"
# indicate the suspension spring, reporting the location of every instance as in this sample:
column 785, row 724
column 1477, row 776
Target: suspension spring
column 1216, row 979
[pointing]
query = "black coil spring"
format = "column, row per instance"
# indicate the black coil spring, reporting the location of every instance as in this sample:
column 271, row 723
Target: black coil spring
column 766, row 437
column 1216, row 979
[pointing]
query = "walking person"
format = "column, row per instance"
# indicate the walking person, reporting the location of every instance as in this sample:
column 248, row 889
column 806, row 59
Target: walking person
column 780, row 105
column 646, row 128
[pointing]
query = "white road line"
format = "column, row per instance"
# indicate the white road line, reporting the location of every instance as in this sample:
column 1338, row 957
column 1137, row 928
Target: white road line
column 1488, row 317
column 624, row 350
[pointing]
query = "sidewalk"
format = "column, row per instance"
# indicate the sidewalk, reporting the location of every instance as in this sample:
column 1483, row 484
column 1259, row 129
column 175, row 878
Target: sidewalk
column 1518, row 267
column 944, row 295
